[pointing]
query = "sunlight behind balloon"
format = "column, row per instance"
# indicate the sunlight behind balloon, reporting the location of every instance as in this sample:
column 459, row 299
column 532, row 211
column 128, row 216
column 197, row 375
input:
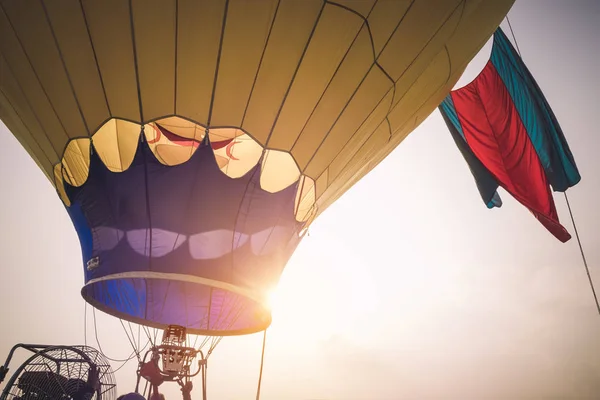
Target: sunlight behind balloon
column 272, row 298
column 335, row 303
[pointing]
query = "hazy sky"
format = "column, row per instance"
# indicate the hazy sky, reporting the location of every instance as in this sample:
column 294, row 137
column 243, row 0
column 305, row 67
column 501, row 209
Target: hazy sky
column 407, row 288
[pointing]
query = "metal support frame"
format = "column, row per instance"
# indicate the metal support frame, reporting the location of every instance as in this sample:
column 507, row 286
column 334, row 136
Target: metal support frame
column 171, row 361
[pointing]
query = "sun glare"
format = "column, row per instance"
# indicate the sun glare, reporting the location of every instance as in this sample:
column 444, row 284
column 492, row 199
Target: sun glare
column 272, row 298
column 316, row 297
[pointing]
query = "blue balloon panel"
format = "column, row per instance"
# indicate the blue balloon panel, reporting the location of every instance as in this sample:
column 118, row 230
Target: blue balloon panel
column 182, row 245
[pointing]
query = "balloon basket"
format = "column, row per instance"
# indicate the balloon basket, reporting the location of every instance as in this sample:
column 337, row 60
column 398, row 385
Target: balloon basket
column 172, row 361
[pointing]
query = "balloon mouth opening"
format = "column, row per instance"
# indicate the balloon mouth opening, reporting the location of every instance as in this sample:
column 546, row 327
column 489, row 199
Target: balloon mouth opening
column 216, row 309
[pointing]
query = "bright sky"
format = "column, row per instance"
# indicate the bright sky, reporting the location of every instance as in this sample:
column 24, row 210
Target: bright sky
column 407, row 288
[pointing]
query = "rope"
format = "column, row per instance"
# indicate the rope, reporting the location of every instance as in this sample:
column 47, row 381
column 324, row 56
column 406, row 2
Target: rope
column 514, row 37
column 204, row 379
column 587, row 269
column 262, row 362
column 585, row 264
column 130, row 357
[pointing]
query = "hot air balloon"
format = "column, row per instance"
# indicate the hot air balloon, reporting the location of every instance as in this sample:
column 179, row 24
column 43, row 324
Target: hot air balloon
column 193, row 142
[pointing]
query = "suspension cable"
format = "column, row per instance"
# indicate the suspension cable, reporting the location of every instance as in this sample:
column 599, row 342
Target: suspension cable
column 587, row 269
column 262, row 362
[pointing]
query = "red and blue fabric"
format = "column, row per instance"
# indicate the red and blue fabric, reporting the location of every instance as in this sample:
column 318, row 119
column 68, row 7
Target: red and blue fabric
column 510, row 137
